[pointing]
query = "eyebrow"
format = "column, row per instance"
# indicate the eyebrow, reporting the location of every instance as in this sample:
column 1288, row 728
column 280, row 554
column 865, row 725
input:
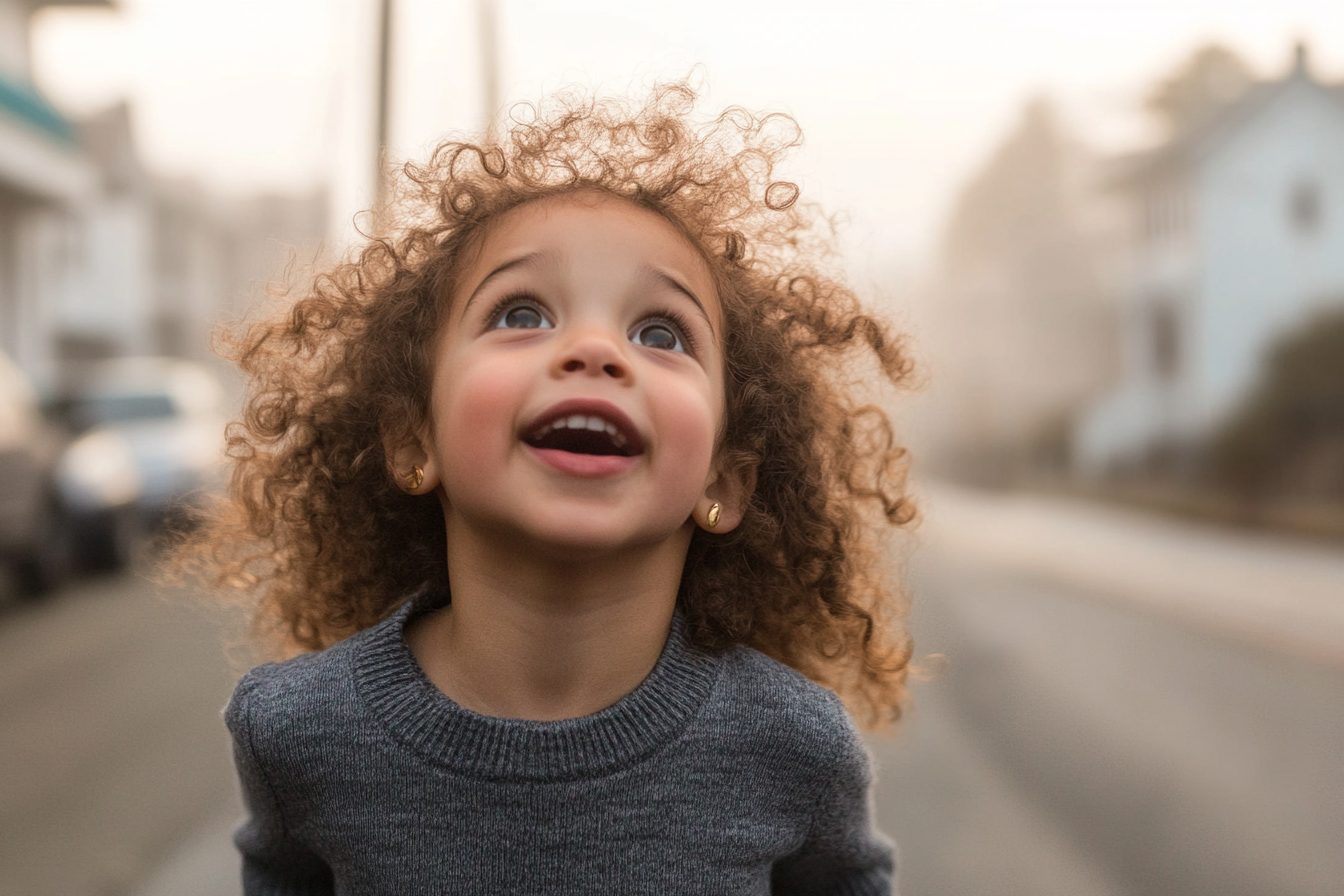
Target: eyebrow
column 534, row 259
column 531, row 259
column 668, row 280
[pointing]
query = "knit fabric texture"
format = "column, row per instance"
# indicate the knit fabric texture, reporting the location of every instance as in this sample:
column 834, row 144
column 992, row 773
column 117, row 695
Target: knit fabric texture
column 719, row 774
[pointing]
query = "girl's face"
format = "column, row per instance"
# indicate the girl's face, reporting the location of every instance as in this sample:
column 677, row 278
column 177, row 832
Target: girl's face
column 578, row 385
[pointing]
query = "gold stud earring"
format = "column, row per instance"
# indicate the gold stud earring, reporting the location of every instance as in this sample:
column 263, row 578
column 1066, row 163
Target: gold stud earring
column 414, row 478
column 712, row 517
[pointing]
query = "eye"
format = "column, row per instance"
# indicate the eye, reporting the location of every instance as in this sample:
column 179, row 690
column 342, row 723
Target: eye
column 514, row 315
column 658, row 334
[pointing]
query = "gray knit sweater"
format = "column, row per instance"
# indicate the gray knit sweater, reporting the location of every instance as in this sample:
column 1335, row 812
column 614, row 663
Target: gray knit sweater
column 719, row 774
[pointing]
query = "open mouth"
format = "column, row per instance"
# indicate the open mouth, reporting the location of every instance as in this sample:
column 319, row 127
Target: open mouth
column 583, row 434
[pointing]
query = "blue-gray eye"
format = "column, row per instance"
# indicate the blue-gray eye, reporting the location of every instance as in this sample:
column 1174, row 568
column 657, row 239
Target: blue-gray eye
column 522, row 317
column 656, row 334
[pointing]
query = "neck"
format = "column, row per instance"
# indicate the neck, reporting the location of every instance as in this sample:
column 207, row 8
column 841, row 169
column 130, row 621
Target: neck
column 533, row 635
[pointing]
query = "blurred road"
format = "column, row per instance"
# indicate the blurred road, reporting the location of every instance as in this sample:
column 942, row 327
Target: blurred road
column 1074, row 746
column 112, row 750
column 1101, row 724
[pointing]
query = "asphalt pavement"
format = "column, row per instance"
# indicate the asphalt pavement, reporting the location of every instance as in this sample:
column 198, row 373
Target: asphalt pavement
column 1275, row 597
column 112, row 749
column 1270, row 593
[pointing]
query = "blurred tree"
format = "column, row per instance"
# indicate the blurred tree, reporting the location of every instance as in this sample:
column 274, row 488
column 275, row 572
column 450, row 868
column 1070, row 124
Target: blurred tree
column 1288, row 435
column 1023, row 319
column 1016, row 208
column 1211, row 79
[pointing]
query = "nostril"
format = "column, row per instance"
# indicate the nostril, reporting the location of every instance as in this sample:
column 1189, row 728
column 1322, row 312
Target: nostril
column 572, row 365
column 611, row 370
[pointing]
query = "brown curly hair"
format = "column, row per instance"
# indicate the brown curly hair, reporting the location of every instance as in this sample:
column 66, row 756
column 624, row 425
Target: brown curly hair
column 315, row 530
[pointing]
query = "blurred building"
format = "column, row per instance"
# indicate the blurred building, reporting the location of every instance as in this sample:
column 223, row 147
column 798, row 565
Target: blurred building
column 100, row 258
column 1237, row 234
column 45, row 180
column 166, row 259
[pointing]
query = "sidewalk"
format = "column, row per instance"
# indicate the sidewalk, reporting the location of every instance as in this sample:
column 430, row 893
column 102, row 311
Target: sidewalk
column 205, row 865
column 1271, row 589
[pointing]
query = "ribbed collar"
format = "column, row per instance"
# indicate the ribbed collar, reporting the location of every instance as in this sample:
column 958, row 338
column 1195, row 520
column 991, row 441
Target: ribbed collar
column 418, row 715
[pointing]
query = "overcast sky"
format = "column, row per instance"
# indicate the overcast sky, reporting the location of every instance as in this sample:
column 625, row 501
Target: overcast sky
column 899, row 101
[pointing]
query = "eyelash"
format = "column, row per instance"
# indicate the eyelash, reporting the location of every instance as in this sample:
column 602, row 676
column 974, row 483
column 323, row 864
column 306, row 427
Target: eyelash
column 678, row 322
column 504, row 304
column 664, row 315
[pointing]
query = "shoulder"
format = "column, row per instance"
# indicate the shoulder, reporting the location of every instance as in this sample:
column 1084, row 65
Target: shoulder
column 308, row 693
column 775, row 692
column 781, row 712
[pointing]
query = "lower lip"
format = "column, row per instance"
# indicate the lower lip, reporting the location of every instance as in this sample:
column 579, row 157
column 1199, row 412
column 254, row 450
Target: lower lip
column 591, row 465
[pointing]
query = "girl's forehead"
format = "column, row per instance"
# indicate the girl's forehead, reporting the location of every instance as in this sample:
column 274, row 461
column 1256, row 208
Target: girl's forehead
column 573, row 227
column 574, row 219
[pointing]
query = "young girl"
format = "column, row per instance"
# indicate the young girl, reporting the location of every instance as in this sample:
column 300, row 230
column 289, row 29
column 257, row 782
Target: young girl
column 558, row 483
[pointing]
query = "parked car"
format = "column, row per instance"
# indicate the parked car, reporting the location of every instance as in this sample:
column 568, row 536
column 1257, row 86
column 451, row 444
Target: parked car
column 100, row 491
column 161, row 416
column 34, row 537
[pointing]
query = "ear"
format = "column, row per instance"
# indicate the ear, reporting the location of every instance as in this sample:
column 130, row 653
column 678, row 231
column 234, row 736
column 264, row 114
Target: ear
column 731, row 485
column 406, row 451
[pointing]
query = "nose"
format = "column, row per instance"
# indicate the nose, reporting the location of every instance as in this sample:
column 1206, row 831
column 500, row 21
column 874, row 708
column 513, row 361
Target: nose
column 596, row 353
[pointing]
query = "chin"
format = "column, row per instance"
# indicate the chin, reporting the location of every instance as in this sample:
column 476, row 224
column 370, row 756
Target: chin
column 572, row 532
column 591, row 539
column 576, row 543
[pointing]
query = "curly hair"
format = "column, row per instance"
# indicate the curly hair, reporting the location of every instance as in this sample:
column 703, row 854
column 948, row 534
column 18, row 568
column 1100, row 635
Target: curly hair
column 315, row 530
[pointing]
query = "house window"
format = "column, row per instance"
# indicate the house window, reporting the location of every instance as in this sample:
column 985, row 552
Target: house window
column 1304, row 207
column 1166, row 336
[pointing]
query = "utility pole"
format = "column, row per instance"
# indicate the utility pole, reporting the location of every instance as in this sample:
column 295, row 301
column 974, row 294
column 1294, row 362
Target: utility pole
column 384, row 101
column 487, row 19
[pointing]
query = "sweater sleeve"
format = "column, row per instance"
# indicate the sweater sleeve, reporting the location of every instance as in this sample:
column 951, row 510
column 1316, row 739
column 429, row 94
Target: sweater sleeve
column 844, row 854
column 274, row 862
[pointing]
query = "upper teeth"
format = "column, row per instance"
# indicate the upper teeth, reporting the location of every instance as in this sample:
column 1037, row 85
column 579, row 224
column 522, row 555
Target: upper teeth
column 579, row 421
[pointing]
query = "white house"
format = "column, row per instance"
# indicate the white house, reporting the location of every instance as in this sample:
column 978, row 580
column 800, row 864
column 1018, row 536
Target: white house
column 45, row 179
column 1238, row 237
column 99, row 257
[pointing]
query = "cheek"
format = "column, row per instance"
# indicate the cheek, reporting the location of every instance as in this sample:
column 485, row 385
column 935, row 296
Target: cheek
column 690, row 417
column 474, row 411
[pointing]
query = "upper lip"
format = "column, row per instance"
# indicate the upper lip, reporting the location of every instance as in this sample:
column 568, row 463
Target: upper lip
column 589, row 407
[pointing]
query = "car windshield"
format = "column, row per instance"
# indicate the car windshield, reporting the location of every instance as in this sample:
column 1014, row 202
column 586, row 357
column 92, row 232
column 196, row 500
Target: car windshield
column 104, row 409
